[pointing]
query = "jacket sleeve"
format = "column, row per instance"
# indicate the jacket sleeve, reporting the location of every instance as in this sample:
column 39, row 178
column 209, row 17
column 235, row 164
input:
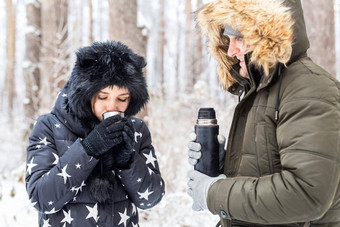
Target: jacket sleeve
column 308, row 139
column 142, row 180
column 52, row 179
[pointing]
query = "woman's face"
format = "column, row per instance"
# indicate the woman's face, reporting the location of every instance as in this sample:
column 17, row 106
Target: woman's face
column 109, row 99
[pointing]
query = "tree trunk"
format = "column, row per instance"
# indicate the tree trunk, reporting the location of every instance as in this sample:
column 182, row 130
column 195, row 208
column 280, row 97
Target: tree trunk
column 190, row 78
column 319, row 18
column 123, row 27
column 161, row 48
column 91, row 21
column 31, row 68
column 197, row 51
column 9, row 88
column 54, row 52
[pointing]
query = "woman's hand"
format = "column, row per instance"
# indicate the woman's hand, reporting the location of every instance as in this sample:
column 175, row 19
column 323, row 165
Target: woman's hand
column 104, row 136
column 123, row 156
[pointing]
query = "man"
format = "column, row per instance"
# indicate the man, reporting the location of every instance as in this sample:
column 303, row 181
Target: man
column 282, row 160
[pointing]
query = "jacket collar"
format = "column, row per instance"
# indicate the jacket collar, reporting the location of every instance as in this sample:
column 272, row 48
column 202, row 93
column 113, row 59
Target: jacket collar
column 61, row 111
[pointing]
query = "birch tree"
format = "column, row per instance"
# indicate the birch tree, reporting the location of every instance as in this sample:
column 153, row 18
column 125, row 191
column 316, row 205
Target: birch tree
column 188, row 47
column 319, row 18
column 123, row 27
column 31, row 67
column 54, row 52
column 198, row 50
column 9, row 88
column 161, row 47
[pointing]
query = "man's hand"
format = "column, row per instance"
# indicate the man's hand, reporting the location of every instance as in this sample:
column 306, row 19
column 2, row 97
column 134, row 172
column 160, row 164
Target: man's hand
column 194, row 152
column 199, row 185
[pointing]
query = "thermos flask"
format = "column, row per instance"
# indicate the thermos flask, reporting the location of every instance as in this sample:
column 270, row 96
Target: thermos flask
column 206, row 130
column 112, row 113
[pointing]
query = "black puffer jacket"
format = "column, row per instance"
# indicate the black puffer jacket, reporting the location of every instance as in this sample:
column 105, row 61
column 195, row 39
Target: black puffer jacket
column 60, row 173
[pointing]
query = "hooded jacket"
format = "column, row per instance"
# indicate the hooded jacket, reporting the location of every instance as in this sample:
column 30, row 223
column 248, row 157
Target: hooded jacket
column 60, row 173
column 283, row 152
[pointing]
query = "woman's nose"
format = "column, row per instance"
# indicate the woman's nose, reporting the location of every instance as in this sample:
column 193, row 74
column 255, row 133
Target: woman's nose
column 111, row 106
column 232, row 49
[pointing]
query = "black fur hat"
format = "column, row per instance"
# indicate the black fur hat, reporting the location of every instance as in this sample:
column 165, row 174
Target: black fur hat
column 105, row 64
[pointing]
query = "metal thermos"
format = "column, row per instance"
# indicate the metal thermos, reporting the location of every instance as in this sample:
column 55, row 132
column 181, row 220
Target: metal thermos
column 206, row 130
column 112, row 113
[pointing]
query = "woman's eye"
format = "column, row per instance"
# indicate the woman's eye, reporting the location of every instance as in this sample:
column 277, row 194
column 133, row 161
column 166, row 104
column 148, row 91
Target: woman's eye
column 122, row 100
column 101, row 97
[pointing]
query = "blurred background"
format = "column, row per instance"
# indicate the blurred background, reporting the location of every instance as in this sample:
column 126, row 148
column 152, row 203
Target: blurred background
column 38, row 41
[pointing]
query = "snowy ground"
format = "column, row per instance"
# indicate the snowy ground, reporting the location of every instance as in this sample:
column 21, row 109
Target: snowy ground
column 170, row 123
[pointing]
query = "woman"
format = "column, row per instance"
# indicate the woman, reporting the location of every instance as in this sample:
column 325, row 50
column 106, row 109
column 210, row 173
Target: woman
column 83, row 170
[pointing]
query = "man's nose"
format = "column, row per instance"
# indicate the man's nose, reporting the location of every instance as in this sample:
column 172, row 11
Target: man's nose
column 233, row 50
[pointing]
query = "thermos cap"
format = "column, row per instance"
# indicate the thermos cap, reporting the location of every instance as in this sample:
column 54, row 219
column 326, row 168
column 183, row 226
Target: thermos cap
column 206, row 113
column 206, row 117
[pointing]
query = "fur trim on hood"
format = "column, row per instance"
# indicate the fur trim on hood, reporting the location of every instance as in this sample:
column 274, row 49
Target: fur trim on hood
column 265, row 25
column 100, row 65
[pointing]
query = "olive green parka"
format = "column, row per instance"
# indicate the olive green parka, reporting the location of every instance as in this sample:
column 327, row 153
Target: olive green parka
column 283, row 153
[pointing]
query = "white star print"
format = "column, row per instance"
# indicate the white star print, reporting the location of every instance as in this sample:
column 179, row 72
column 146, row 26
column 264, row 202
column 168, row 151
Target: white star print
column 64, row 95
column 150, row 171
column 64, row 174
column 56, row 159
column 150, row 159
column 137, row 134
column 46, row 223
column 93, row 212
column 82, row 185
column 67, row 217
column 139, row 179
column 50, row 203
column 74, row 189
column 30, row 166
column 134, row 225
column 78, row 165
column 134, row 210
column 123, row 217
column 38, row 146
column 145, row 194
column 57, row 125
column 44, row 141
column 77, row 189
column 161, row 183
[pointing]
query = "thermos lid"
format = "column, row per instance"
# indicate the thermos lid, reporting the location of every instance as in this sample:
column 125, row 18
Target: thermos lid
column 206, row 113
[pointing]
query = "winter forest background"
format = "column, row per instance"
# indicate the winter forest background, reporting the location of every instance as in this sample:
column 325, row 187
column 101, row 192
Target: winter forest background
column 38, row 39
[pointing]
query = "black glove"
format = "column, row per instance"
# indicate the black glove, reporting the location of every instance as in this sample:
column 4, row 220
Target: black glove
column 123, row 153
column 104, row 136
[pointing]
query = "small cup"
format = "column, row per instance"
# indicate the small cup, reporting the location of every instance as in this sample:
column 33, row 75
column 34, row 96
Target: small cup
column 112, row 113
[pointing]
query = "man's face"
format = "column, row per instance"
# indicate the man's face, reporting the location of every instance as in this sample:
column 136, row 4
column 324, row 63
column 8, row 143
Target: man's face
column 238, row 48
